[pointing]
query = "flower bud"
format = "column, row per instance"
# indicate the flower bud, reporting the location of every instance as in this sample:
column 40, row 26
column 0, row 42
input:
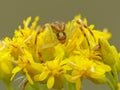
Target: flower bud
column 107, row 52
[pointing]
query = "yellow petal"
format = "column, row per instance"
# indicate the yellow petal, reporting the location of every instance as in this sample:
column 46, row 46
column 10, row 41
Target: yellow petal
column 50, row 82
column 77, row 17
column 27, row 22
column 34, row 23
column 91, row 27
column 15, row 70
column 28, row 77
column 78, row 84
column 69, row 78
column 107, row 52
column 41, row 77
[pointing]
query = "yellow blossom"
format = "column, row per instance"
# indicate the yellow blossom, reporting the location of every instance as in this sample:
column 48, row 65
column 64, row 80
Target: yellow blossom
column 26, row 64
column 92, row 54
column 103, row 34
column 53, row 72
column 5, row 63
column 37, row 52
column 84, row 68
column 107, row 53
column 116, row 57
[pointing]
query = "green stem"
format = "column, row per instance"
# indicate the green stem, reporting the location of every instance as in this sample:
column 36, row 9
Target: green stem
column 9, row 87
column 115, row 73
column 44, row 86
column 111, row 78
column 59, row 89
column 110, row 85
column 68, row 86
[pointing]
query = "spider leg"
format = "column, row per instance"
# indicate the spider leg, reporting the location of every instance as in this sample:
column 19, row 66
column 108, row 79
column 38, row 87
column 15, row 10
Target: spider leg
column 89, row 31
column 82, row 24
column 36, row 36
column 85, row 36
column 40, row 57
column 38, row 32
column 36, row 39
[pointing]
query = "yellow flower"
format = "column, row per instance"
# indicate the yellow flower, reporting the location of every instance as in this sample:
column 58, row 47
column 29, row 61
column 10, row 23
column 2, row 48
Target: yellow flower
column 38, row 53
column 53, row 72
column 116, row 57
column 84, row 68
column 26, row 64
column 5, row 63
column 107, row 52
column 23, row 38
column 102, row 34
column 92, row 54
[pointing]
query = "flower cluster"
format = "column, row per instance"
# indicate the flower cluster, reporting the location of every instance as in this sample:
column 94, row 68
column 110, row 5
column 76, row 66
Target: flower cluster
column 59, row 55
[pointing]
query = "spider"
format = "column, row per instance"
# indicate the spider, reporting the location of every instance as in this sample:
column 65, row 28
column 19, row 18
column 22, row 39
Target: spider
column 58, row 28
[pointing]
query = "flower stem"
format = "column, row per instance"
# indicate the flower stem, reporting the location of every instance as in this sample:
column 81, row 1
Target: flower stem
column 44, row 87
column 111, row 78
column 9, row 87
column 115, row 74
column 110, row 84
column 68, row 86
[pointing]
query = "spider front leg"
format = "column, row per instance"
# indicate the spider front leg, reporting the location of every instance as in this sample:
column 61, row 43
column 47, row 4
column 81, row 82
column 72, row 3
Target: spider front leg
column 85, row 35
column 85, row 26
column 81, row 25
column 36, row 39
column 38, row 32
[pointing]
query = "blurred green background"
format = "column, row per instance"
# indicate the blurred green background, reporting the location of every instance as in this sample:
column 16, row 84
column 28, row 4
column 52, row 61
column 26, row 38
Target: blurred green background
column 102, row 13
